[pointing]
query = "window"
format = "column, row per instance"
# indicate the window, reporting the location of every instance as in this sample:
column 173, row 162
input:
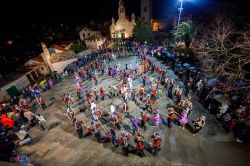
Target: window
column 121, row 10
column 88, row 34
column 145, row 9
column 42, row 68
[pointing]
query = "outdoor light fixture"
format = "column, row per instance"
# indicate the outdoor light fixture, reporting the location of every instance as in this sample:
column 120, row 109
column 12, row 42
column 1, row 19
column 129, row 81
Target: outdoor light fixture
column 178, row 22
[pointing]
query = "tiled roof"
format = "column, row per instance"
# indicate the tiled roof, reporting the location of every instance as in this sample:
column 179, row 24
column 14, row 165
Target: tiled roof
column 58, row 57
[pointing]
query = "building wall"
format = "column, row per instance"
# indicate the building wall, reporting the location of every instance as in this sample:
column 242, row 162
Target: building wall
column 43, row 69
column 94, row 44
column 122, row 26
column 60, row 66
column 20, row 84
column 3, row 97
column 85, row 33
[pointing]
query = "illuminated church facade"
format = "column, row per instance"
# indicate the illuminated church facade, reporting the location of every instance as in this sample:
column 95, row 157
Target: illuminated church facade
column 123, row 27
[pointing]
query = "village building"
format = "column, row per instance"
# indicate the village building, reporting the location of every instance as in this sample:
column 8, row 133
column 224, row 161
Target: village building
column 57, row 58
column 95, row 42
column 88, row 32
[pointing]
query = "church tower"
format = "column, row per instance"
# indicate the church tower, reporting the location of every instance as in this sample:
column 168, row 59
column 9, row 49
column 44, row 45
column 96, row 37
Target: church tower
column 121, row 9
column 146, row 10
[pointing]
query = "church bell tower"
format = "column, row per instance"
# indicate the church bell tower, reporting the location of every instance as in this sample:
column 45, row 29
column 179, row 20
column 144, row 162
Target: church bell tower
column 121, row 9
column 146, row 10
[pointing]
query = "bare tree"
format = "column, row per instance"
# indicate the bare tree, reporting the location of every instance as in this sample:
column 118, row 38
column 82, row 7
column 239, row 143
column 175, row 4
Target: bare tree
column 223, row 51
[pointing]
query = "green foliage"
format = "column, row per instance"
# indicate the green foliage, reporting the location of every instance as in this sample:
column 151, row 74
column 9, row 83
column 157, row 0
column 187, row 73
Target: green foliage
column 142, row 32
column 185, row 31
column 77, row 48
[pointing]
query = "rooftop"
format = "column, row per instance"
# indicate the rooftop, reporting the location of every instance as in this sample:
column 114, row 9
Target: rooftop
column 59, row 57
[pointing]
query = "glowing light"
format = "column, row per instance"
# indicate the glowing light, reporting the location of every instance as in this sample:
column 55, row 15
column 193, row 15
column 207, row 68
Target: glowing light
column 9, row 42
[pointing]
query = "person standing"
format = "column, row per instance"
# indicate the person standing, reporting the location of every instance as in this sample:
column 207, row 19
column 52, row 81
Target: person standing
column 125, row 142
column 135, row 125
column 78, row 128
column 96, row 94
column 198, row 124
column 125, row 108
column 170, row 93
column 95, row 129
column 133, row 95
column 139, row 140
column 171, row 116
column 141, row 92
column 113, row 137
column 42, row 121
column 144, row 78
column 41, row 102
column 156, row 143
column 143, row 119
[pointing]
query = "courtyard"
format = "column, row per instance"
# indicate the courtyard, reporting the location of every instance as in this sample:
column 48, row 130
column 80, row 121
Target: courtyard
column 61, row 145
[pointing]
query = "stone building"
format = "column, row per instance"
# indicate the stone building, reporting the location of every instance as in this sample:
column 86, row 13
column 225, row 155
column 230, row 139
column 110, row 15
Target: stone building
column 57, row 58
column 123, row 27
column 146, row 11
column 95, row 42
column 88, row 32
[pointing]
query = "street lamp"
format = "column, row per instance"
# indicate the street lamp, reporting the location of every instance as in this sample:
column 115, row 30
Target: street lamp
column 179, row 17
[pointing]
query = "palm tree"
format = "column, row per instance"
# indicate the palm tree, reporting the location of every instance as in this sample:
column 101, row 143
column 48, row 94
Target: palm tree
column 185, row 31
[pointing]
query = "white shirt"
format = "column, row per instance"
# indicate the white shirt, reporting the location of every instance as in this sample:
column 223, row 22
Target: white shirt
column 93, row 107
column 112, row 109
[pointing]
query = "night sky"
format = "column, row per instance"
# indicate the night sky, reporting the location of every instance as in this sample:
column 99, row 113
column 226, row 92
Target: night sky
column 22, row 21
column 20, row 13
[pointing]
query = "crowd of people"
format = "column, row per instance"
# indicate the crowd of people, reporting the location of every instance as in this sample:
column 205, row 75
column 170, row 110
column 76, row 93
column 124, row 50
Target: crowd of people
column 146, row 97
column 232, row 112
column 17, row 117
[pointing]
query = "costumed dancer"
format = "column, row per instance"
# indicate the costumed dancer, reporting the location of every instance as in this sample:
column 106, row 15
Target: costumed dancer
column 139, row 140
column 156, row 143
column 113, row 137
column 156, row 118
column 95, row 129
column 183, row 120
column 125, row 142
column 135, row 125
column 116, row 121
column 171, row 116
column 125, row 108
column 143, row 119
column 198, row 124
